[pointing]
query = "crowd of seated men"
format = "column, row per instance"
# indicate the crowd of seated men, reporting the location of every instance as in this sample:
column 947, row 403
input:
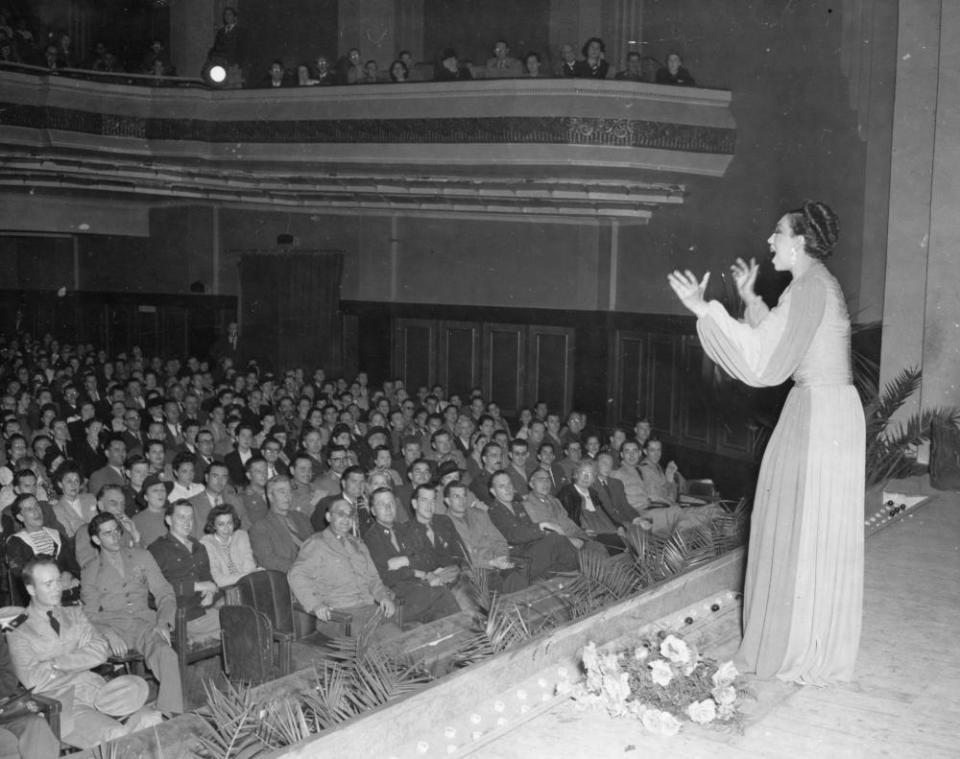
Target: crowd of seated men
column 139, row 477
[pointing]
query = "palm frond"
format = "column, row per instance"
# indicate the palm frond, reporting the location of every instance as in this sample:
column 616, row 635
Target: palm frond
column 234, row 716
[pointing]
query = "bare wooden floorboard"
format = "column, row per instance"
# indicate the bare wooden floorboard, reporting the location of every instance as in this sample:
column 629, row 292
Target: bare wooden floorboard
column 903, row 703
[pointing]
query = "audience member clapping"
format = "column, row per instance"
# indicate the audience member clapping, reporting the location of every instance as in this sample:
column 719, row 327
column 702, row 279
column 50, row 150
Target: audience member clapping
column 593, row 65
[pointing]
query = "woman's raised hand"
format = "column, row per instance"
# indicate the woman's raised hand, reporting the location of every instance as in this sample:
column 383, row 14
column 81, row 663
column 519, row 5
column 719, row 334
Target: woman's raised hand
column 745, row 276
column 689, row 290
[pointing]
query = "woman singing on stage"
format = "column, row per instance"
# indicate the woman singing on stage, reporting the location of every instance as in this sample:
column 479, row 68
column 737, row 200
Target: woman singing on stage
column 803, row 593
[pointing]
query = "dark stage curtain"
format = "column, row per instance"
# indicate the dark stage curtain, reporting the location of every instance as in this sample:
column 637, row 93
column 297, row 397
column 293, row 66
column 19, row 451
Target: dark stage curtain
column 290, row 309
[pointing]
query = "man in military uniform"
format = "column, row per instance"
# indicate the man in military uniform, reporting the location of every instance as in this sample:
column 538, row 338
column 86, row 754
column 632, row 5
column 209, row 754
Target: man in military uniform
column 115, row 589
column 53, row 648
column 29, row 736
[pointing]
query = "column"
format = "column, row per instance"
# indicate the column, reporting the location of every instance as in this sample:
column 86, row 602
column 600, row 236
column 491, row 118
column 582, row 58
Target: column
column 193, row 24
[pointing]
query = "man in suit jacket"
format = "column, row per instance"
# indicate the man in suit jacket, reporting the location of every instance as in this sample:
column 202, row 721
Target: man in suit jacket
column 541, row 547
column 133, row 436
column 115, row 589
column 237, row 458
column 612, row 493
column 112, row 473
column 215, row 493
column 205, row 455
column 546, row 456
column 276, row 539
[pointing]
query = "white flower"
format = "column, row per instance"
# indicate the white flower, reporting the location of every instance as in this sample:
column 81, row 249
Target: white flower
column 590, row 658
column 660, row 672
column 726, row 673
column 660, row 723
column 675, row 650
column 702, row 712
column 725, row 696
column 640, row 653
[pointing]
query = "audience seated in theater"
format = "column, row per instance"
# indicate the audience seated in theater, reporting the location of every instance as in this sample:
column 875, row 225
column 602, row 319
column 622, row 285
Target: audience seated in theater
column 613, row 495
column 663, row 484
column 74, row 508
column 485, row 546
column 418, row 473
column 303, row 76
column 641, row 432
column 502, row 64
column 112, row 472
column 449, row 68
column 306, row 494
column 424, row 594
column 593, row 65
column 591, row 446
column 572, row 454
column 323, row 74
column 184, row 488
column 243, row 450
column 634, row 70
column 435, row 544
column 568, row 61
column 371, row 73
column 277, row 537
column 89, row 452
column 543, row 507
column 442, row 449
column 131, row 604
column 186, row 566
column 275, row 76
column 25, row 481
column 53, row 648
column 228, row 546
column 584, row 506
column 546, row 458
column 519, row 467
column 109, row 501
column 33, row 540
column 216, row 491
column 156, row 52
column 350, row 67
column 254, row 496
column 334, row 572
column 156, row 455
column 352, row 491
column 540, row 548
column 136, row 470
column 674, row 73
column 28, row 736
column 491, row 458
column 151, row 522
column 382, row 461
column 399, row 72
column 532, row 66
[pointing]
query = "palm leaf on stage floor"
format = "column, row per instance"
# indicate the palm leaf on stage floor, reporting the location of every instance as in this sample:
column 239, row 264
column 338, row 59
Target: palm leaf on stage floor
column 601, row 582
column 233, row 714
column 503, row 628
column 329, row 700
column 378, row 678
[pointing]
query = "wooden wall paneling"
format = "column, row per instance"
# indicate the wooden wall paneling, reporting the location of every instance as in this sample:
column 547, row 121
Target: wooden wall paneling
column 350, row 344
column 629, row 375
column 694, row 410
column 459, row 357
column 661, row 384
column 147, row 332
column 173, row 337
column 503, row 365
column 415, row 352
column 735, row 437
column 550, row 367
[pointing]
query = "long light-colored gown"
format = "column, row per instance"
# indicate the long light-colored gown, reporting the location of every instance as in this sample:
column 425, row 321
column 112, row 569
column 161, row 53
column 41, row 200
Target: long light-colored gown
column 803, row 594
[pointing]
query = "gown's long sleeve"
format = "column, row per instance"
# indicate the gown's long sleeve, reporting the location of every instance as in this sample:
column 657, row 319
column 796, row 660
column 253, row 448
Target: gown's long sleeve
column 768, row 350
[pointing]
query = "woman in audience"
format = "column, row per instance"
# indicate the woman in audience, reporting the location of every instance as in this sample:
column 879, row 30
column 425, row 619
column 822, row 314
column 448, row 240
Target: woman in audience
column 227, row 546
column 398, row 73
column 674, row 73
column 531, row 65
column 34, row 540
column 593, row 65
column 303, row 77
column 804, row 582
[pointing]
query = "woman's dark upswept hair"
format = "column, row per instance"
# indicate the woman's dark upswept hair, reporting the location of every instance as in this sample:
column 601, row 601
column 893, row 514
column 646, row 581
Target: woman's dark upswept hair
column 818, row 225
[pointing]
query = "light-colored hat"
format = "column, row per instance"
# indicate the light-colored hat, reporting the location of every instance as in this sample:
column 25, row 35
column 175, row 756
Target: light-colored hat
column 123, row 695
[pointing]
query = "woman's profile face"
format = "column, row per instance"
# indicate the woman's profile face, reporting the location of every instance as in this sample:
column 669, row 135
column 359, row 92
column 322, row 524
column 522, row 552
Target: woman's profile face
column 784, row 245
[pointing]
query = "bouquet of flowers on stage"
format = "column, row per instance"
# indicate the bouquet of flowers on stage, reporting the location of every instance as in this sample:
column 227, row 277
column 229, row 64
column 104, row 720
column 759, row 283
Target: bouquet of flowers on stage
column 662, row 682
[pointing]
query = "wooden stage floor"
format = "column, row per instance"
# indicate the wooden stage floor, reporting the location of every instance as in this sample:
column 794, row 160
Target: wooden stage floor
column 904, row 702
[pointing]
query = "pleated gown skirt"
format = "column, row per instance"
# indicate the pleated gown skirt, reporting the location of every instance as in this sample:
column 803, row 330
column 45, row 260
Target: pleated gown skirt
column 803, row 594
